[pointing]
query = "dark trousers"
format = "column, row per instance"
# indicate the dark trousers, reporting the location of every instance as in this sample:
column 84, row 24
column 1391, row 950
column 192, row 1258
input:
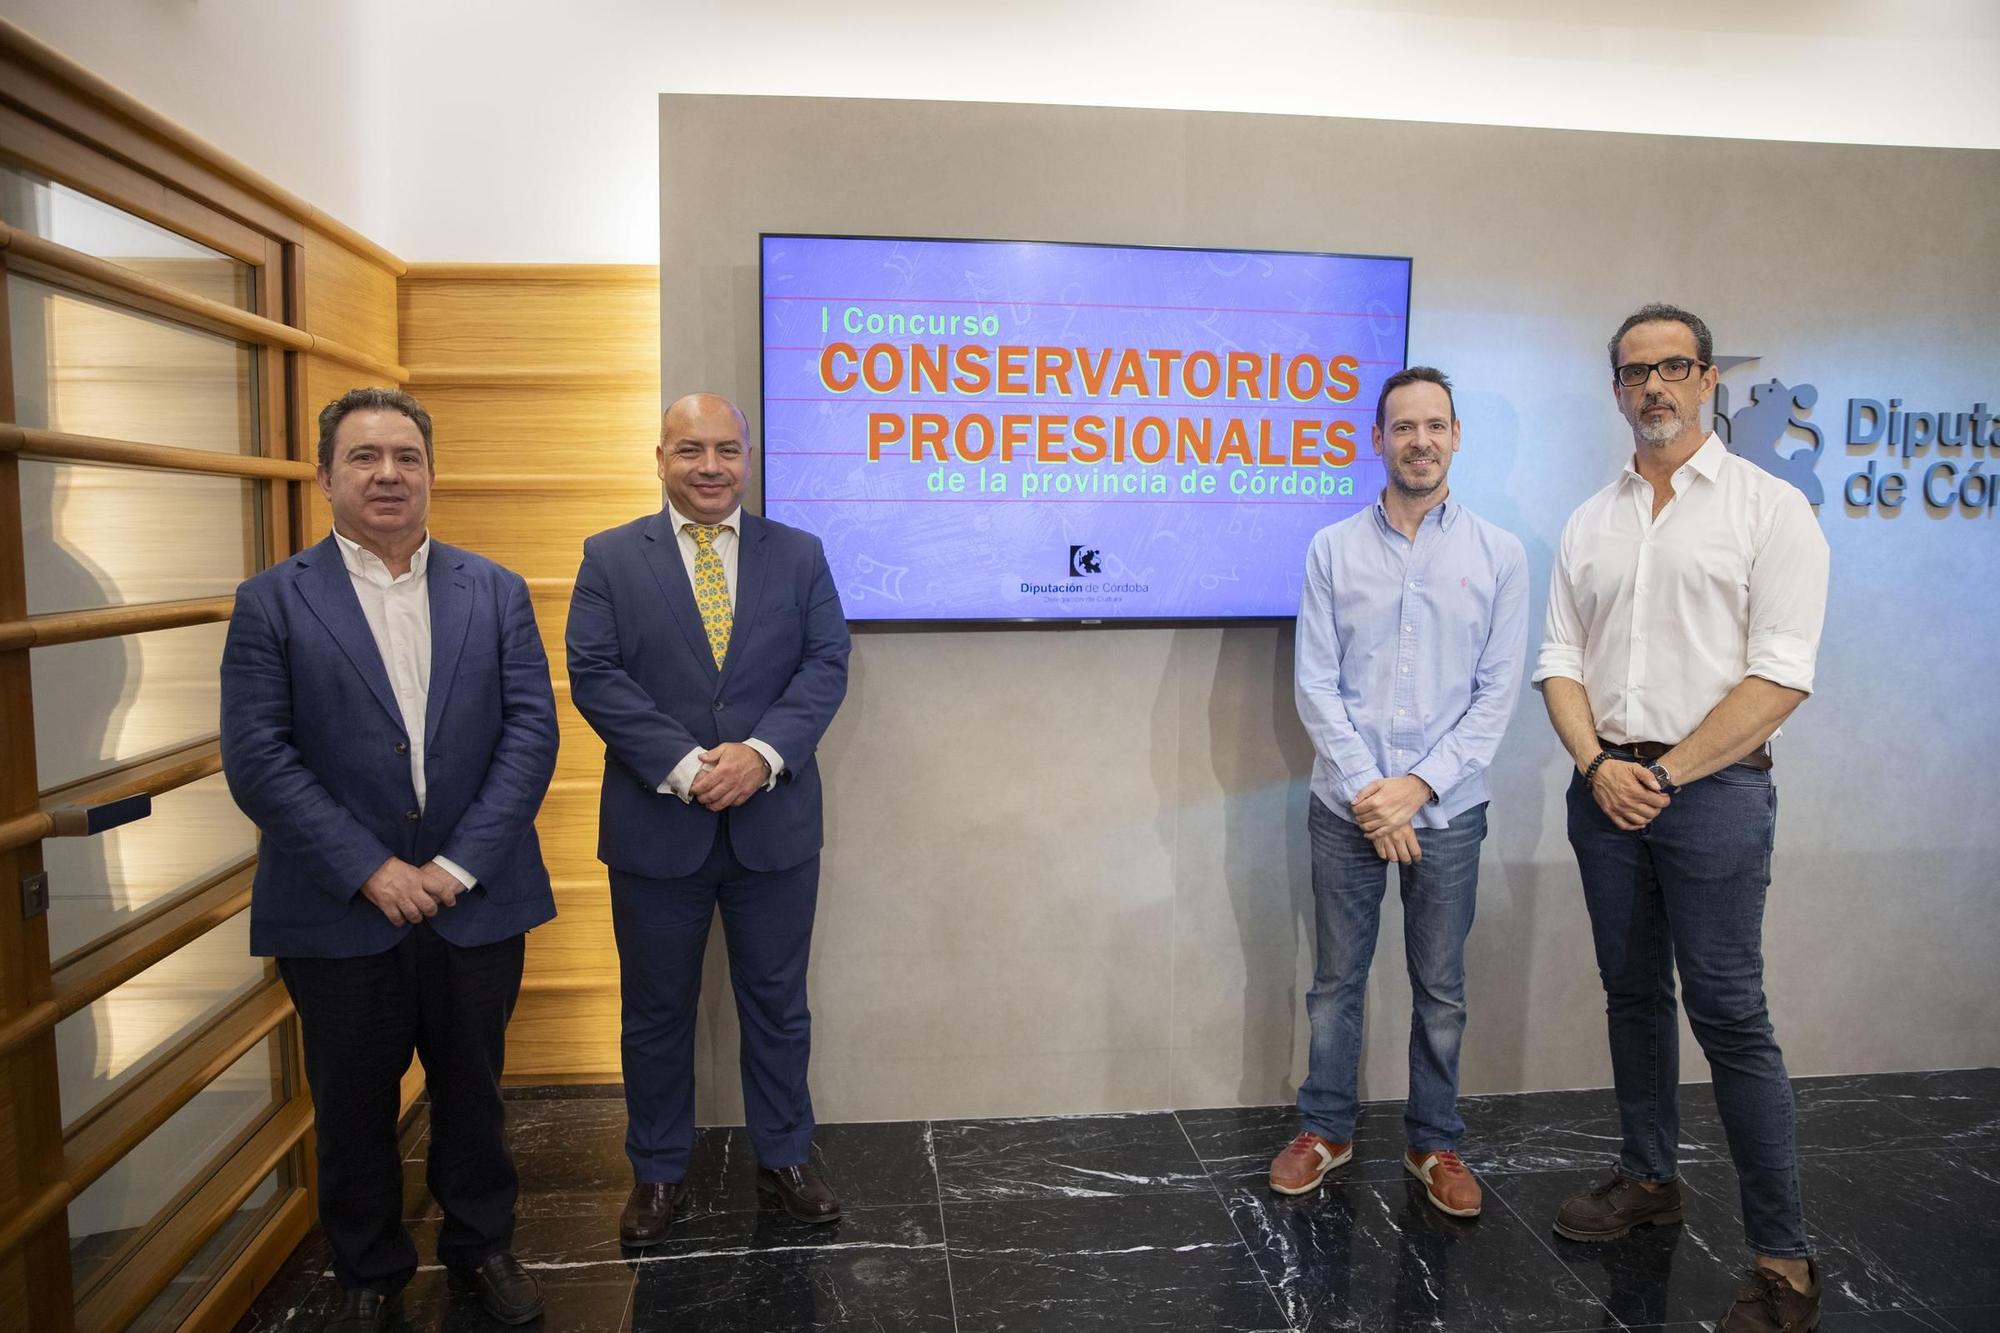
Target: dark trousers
column 361, row 1018
column 662, row 931
column 1686, row 893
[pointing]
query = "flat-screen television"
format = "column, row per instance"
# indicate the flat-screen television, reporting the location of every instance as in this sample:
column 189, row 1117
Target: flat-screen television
column 1041, row 431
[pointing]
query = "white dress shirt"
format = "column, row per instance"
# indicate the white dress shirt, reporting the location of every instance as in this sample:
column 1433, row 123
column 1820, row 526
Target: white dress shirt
column 725, row 542
column 1659, row 618
column 397, row 608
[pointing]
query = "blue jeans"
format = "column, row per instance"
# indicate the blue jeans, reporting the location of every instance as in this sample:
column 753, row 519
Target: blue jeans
column 1439, row 893
column 1688, row 889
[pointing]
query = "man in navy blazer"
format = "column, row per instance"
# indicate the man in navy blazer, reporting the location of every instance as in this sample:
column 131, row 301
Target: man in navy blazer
column 388, row 724
column 708, row 648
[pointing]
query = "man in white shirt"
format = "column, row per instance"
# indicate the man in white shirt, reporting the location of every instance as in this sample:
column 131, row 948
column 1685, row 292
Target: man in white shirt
column 1683, row 623
column 388, row 723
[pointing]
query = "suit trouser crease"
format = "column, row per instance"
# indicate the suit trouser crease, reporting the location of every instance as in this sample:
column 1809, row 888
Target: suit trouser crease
column 661, row 927
column 361, row 1019
column 1439, row 894
column 1687, row 894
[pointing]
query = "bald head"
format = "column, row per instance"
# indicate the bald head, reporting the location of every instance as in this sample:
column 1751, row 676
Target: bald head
column 703, row 456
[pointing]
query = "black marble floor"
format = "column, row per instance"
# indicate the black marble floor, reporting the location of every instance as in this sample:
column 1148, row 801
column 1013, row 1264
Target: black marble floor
column 1163, row 1221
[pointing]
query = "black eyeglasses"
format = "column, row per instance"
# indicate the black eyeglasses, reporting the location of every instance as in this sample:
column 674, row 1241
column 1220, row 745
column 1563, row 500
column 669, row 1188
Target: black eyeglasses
column 1674, row 369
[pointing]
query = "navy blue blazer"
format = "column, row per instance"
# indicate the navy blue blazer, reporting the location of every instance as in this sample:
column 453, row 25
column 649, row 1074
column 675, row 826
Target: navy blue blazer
column 642, row 674
column 314, row 750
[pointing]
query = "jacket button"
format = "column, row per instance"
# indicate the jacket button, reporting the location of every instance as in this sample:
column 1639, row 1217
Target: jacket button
column 718, row 705
column 413, row 815
column 402, row 747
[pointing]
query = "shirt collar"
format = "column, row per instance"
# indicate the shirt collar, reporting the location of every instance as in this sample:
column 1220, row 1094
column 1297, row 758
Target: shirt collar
column 1705, row 462
column 680, row 521
column 1445, row 513
column 363, row 563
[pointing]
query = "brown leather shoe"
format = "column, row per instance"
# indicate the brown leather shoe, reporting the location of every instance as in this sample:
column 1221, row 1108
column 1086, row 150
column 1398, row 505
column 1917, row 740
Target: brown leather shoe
column 650, row 1211
column 1451, row 1188
column 1769, row 1304
column 1305, row 1161
column 1614, row 1208
column 800, row 1191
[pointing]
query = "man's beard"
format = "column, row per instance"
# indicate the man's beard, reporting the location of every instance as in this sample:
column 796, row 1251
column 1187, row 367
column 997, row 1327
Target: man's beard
column 1415, row 491
column 1660, row 432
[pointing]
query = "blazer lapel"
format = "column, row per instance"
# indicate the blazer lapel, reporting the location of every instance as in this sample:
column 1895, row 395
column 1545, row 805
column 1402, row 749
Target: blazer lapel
column 451, row 612
column 670, row 571
column 329, row 591
column 751, row 565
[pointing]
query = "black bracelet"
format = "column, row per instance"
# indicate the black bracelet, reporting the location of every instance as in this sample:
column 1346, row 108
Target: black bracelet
column 1591, row 772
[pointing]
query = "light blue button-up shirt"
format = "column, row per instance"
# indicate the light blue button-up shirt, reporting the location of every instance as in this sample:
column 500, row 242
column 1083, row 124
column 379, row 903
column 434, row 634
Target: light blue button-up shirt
column 1410, row 654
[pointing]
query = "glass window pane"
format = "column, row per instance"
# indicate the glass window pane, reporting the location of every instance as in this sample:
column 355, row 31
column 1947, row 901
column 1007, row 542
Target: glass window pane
column 89, row 367
column 172, row 1306
column 112, row 536
column 55, row 212
column 180, row 1152
column 102, row 1045
column 107, row 702
column 97, row 884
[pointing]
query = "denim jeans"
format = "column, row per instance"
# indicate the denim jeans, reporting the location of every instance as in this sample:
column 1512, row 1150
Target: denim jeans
column 1688, row 890
column 1439, row 893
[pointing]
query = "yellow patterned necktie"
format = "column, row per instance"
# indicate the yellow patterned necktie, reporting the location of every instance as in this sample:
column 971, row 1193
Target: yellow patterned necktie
column 711, row 589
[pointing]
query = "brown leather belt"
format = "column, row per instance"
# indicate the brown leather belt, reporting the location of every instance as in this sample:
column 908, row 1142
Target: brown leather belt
column 1647, row 752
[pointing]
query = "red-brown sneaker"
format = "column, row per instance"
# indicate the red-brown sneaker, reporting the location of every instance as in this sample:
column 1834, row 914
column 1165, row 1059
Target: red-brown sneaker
column 1450, row 1187
column 1305, row 1162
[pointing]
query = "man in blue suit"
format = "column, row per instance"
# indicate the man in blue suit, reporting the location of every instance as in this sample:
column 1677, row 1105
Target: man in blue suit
column 388, row 724
column 708, row 648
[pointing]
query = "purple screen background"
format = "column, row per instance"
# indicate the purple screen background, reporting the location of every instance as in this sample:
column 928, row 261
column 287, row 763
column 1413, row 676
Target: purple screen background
column 900, row 551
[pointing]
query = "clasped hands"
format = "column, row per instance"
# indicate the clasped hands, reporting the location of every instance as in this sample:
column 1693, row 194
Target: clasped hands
column 1382, row 811
column 407, row 894
column 730, row 774
column 1628, row 793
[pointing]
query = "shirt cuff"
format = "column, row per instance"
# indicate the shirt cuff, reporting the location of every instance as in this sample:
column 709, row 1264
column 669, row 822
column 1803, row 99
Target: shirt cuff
column 1782, row 660
column 455, row 870
column 683, row 773
column 1432, row 776
column 771, row 757
column 1558, row 659
column 1349, row 788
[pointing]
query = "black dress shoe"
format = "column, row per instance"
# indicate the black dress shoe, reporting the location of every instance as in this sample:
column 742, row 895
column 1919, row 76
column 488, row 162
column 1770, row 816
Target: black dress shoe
column 363, row 1311
column 800, row 1190
column 649, row 1212
column 507, row 1291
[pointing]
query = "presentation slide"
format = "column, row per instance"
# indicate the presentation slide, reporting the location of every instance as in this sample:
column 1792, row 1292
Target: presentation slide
column 1024, row 431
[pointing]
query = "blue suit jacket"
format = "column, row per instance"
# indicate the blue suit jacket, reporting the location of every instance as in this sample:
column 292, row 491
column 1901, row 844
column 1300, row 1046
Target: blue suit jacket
column 642, row 674
column 315, row 752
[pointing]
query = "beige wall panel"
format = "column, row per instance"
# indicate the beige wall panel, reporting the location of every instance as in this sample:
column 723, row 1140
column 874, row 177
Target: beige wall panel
column 349, row 299
column 551, row 598
column 326, row 380
column 606, row 430
column 535, row 533
column 496, row 324
column 576, row 947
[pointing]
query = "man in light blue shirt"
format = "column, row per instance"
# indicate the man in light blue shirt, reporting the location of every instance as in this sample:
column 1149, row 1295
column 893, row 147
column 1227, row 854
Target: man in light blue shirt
column 1413, row 632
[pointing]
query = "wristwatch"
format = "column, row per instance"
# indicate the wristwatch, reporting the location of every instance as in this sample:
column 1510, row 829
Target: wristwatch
column 1667, row 785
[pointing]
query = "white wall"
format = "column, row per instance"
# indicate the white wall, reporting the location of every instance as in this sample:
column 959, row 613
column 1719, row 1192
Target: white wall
column 510, row 130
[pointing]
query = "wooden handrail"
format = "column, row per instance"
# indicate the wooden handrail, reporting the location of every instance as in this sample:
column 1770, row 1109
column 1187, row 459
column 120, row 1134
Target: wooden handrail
column 114, row 958
column 119, row 1123
column 108, row 622
column 123, row 104
column 155, row 775
column 27, row 251
column 143, row 1274
column 60, row 446
column 55, row 1197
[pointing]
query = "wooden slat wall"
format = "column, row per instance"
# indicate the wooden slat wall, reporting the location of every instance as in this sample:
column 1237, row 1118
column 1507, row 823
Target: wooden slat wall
column 544, row 384
column 351, row 300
